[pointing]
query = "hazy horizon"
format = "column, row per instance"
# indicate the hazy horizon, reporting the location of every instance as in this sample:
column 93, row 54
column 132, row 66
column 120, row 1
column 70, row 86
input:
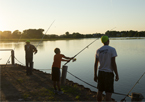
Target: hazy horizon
column 83, row 16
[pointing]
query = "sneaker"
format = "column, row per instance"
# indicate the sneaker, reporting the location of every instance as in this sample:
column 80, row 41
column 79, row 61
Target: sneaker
column 55, row 91
column 60, row 92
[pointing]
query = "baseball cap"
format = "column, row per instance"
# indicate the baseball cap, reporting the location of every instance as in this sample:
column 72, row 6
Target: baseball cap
column 28, row 41
column 104, row 39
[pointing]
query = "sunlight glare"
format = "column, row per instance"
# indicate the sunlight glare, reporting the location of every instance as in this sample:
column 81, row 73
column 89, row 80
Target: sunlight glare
column 2, row 25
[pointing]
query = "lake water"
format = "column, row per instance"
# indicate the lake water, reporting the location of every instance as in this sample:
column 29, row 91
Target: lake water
column 130, row 60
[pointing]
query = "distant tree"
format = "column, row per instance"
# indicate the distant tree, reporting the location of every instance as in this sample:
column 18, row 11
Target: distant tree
column 33, row 33
column 40, row 32
column 16, row 34
column 1, row 34
column 53, row 36
column 89, row 35
column 6, row 34
column 77, row 35
column 67, row 33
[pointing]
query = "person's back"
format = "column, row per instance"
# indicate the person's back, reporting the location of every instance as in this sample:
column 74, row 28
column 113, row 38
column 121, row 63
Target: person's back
column 104, row 54
column 105, row 78
column 29, row 50
column 57, row 60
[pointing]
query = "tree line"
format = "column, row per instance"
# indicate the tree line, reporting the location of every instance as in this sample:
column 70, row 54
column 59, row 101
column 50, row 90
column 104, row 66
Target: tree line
column 38, row 34
column 29, row 33
column 130, row 33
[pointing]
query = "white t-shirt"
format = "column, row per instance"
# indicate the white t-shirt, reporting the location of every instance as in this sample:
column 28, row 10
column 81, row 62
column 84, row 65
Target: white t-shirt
column 104, row 54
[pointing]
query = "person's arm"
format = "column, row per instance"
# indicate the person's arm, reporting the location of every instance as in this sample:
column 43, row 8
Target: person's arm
column 34, row 49
column 113, row 62
column 67, row 57
column 64, row 60
column 95, row 69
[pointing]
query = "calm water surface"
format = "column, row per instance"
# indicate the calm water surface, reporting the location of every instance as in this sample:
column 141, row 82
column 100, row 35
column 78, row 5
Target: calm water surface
column 130, row 60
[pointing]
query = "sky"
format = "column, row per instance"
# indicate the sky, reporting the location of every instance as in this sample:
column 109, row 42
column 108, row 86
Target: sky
column 83, row 16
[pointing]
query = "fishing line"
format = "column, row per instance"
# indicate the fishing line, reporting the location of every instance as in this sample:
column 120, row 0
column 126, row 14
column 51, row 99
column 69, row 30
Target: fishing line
column 113, row 28
column 44, row 34
column 85, row 48
column 93, row 85
column 133, row 86
column 36, row 46
column 82, row 50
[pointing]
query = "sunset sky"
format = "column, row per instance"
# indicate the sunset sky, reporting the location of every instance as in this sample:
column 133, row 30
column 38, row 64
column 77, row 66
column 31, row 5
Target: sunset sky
column 83, row 16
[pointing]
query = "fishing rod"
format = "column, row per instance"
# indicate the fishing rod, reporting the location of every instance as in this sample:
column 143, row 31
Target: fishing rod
column 133, row 87
column 84, row 49
column 81, row 50
column 113, row 28
column 45, row 33
column 36, row 46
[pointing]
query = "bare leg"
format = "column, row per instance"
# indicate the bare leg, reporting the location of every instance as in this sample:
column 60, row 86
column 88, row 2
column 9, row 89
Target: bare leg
column 108, row 96
column 99, row 96
column 27, row 69
column 31, row 67
column 54, row 85
column 58, row 85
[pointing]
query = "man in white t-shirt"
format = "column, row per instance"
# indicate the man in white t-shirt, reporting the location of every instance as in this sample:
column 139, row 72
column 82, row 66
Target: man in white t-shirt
column 106, row 57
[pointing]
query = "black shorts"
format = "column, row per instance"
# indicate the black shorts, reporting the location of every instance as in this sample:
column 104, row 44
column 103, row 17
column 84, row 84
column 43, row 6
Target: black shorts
column 106, row 81
column 55, row 74
column 29, row 59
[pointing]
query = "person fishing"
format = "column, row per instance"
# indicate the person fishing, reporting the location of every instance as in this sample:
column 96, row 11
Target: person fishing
column 56, row 69
column 29, row 50
column 105, row 78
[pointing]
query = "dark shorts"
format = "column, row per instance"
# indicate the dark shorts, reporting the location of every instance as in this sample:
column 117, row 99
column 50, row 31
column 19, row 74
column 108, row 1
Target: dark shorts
column 106, row 81
column 29, row 59
column 55, row 74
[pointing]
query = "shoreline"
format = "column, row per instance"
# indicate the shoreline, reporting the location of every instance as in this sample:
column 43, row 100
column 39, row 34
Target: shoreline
column 16, row 86
column 53, row 39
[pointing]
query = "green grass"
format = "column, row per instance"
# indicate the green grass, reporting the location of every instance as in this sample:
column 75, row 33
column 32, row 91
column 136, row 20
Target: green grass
column 20, row 80
column 25, row 96
column 77, row 97
column 73, row 90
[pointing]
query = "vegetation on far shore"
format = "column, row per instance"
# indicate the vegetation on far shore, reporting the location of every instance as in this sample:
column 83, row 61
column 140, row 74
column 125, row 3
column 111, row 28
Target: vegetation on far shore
column 22, row 40
column 37, row 34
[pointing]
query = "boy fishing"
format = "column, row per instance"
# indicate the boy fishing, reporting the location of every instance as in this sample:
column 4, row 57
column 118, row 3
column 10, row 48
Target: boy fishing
column 56, row 69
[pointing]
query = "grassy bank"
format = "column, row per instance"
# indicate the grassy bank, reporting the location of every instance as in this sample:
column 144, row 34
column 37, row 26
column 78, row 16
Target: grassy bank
column 17, row 86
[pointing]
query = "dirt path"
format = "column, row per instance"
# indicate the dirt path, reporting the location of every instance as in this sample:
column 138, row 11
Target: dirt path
column 16, row 86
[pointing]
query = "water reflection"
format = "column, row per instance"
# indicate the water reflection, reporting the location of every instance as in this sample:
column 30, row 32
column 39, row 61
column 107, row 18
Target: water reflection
column 6, row 45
